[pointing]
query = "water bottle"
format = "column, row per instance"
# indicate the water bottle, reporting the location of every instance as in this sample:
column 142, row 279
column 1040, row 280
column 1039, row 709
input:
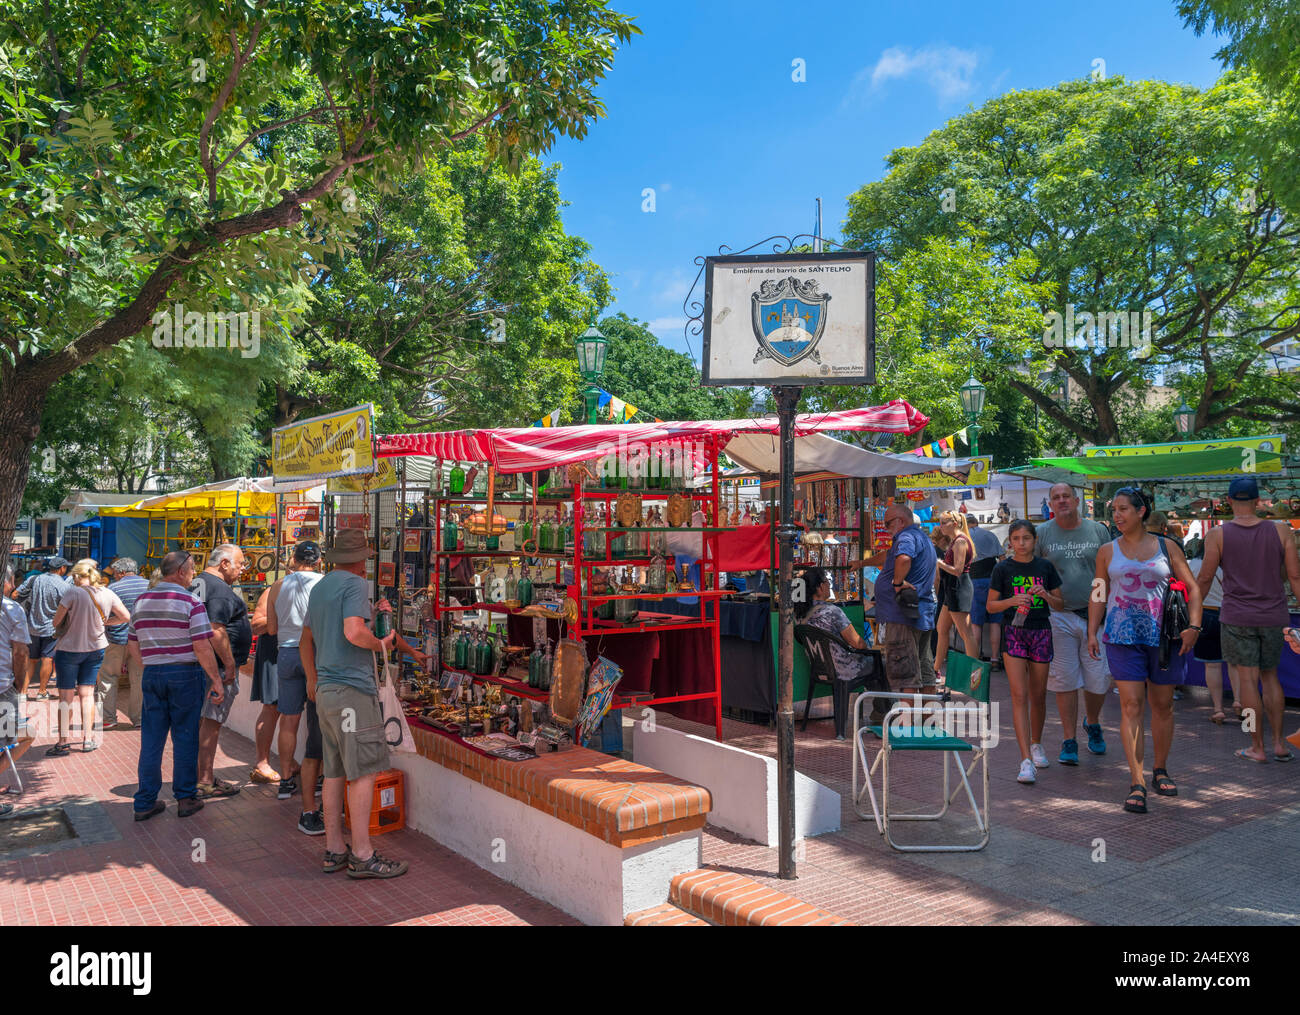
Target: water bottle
column 383, row 624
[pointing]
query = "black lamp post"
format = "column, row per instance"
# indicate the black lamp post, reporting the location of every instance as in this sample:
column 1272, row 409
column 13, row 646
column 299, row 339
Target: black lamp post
column 1185, row 420
column 972, row 403
column 591, row 349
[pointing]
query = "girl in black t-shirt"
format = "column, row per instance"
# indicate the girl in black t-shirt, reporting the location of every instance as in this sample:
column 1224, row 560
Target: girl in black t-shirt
column 1031, row 586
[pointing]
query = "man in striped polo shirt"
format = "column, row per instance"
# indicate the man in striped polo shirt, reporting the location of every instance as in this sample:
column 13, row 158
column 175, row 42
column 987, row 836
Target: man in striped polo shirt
column 170, row 636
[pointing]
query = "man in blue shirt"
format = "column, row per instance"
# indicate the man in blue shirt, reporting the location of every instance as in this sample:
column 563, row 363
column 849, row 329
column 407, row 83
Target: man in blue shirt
column 905, row 603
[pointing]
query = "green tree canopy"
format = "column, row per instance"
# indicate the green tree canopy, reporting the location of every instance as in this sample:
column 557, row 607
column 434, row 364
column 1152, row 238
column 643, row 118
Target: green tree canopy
column 141, row 164
column 1126, row 197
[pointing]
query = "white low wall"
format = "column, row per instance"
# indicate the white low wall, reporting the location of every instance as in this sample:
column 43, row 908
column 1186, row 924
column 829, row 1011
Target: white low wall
column 574, row 871
column 743, row 784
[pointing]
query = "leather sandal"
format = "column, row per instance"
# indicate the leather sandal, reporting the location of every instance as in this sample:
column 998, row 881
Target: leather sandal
column 1164, row 785
column 1137, row 799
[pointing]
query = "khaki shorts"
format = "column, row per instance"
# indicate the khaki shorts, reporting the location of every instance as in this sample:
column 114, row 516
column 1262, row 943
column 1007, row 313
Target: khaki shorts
column 909, row 662
column 352, row 732
column 1251, row 646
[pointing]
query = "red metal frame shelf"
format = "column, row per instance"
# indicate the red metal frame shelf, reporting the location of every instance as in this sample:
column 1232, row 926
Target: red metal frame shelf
column 588, row 624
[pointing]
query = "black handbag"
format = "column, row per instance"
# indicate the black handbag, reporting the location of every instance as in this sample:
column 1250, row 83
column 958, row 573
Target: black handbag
column 1174, row 616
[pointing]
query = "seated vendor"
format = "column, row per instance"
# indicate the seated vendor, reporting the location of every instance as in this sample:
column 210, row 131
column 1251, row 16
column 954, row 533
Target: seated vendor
column 815, row 609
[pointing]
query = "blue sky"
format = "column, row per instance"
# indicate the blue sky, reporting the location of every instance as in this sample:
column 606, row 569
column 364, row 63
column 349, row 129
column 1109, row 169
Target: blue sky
column 703, row 108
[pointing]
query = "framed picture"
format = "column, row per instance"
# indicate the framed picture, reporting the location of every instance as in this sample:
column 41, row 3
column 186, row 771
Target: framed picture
column 411, row 541
column 507, row 483
column 387, row 573
column 386, row 536
column 408, row 575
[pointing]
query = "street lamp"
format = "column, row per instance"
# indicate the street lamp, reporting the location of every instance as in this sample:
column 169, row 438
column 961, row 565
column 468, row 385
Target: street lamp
column 972, row 402
column 1185, row 420
column 591, row 348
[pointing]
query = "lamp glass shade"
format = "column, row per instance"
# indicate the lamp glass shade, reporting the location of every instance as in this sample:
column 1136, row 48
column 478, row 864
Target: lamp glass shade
column 1184, row 417
column 972, row 397
column 591, row 354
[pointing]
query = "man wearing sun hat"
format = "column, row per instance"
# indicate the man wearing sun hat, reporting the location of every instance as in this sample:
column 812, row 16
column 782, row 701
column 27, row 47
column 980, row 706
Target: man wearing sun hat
column 337, row 649
column 1253, row 553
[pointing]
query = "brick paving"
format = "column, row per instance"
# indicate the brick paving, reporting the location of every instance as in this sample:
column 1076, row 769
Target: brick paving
column 258, row 868
column 1218, row 853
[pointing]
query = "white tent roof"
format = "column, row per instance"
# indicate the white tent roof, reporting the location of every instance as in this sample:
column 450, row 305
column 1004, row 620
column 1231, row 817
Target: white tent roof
column 761, row 453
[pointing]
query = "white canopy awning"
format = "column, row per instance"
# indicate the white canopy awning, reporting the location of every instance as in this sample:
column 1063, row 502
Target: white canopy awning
column 761, row 453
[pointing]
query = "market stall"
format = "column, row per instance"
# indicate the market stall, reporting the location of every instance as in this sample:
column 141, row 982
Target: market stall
column 595, row 545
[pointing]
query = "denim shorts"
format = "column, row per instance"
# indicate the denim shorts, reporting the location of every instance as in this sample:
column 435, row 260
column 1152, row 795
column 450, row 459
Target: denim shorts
column 1142, row 662
column 291, row 695
column 77, row 669
column 979, row 614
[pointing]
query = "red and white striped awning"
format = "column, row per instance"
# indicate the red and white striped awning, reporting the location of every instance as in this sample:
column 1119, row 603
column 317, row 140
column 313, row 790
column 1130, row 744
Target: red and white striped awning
column 524, row 449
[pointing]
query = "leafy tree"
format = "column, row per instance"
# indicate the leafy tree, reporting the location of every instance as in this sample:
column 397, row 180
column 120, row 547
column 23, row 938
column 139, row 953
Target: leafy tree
column 945, row 310
column 1263, row 36
column 458, row 306
column 140, row 165
column 1128, row 196
column 659, row 381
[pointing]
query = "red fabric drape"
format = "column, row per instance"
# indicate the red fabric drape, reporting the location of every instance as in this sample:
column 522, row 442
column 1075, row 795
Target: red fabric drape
column 749, row 548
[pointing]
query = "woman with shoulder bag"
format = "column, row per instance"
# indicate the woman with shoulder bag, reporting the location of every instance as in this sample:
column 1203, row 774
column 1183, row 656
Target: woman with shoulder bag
column 1136, row 571
column 84, row 611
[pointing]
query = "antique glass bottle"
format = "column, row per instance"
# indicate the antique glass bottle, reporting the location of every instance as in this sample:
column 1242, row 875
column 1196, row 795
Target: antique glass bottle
column 568, row 544
column 512, row 584
column 462, row 650
column 657, row 573
column 449, row 533
column 525, row 530
column 545, row 536
column 525, row 587
column 456, row 480
column 623, row 608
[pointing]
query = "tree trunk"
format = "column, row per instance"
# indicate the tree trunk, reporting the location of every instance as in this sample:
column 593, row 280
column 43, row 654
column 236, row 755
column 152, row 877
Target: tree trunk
column 21, row 404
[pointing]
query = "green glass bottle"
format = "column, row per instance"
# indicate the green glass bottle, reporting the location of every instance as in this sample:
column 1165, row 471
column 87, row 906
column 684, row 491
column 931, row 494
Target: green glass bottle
column 462, row 651
column 449, row 534
column 525, row 532
column 525, row 588
column 546, row 537
column 456, row 481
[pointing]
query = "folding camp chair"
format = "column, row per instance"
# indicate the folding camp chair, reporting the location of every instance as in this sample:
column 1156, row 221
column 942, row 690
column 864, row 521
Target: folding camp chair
column 970, row 677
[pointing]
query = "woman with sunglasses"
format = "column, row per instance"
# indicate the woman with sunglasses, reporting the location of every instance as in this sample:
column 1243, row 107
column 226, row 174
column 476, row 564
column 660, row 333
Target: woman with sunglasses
column 1134, row 571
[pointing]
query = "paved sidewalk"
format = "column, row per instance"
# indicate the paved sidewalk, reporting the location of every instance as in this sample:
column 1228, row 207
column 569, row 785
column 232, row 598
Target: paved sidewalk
column 1221, row 852
column 257, row 867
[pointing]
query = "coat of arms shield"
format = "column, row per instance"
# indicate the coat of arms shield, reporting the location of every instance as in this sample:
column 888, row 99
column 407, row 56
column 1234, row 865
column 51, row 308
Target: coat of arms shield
column 789, row 316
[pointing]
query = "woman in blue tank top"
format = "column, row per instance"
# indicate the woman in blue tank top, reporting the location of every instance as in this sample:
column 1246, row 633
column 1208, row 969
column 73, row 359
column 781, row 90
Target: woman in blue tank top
column 1134, row 571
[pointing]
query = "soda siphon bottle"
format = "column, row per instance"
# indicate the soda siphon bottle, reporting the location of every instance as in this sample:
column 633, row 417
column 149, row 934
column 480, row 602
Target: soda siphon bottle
column 462, row 651
column 546, row 536
column 456, row 480
column 525, row 587
column 512, row 584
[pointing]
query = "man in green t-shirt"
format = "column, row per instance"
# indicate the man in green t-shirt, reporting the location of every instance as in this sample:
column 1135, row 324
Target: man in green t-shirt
column 1071, row 543
column 337, row 656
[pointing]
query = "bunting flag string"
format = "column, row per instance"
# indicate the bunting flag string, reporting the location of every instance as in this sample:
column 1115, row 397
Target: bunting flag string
column 944, row 447
column 614, row 408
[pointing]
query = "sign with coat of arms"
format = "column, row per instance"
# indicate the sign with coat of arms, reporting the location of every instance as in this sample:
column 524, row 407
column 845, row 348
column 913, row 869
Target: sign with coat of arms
column 774, row 319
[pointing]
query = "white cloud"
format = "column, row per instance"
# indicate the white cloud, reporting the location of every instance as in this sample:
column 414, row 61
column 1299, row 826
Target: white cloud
column 661, row 324
column 946, row 69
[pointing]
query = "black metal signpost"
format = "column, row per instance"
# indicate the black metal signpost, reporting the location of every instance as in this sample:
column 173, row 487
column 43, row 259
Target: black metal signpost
column 783, row 320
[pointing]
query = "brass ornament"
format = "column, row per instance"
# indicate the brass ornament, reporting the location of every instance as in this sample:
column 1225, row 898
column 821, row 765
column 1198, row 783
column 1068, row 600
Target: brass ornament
column 627, row 510
column 679, row 510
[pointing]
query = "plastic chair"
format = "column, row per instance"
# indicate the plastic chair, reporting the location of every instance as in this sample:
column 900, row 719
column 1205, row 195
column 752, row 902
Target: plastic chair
column 821, row 670
column 894, row 736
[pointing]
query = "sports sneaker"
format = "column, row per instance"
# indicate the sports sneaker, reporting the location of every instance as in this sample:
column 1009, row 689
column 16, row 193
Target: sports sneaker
column 288, row 787
column 1069, row 752
column 1096, row 742
column 1027, row 772
column 1040, row 758
column 311, row 823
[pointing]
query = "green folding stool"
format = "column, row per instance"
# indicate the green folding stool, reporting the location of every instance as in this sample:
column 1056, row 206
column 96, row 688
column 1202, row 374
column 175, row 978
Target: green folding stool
column 961, row 723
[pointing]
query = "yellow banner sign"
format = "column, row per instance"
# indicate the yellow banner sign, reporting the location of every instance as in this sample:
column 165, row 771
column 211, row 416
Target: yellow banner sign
column 383, row 478
column 942, row 479
column 1271, row 444
column 338, row 444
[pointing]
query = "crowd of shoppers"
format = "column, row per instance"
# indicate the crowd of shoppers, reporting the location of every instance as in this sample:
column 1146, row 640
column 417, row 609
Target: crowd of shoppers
column 180, row 640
